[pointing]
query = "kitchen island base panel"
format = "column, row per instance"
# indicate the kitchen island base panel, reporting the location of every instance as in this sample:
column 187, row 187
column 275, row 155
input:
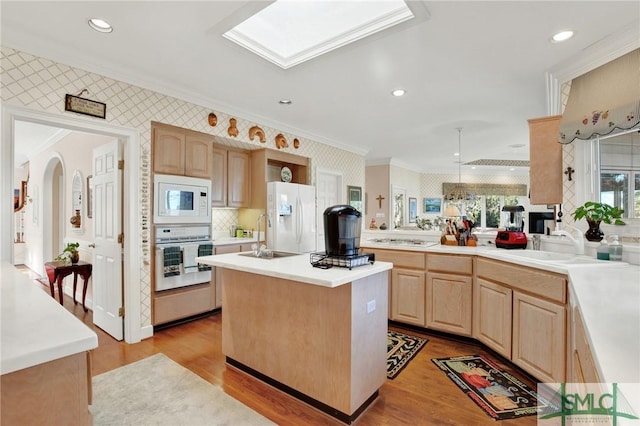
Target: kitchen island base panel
column 327, row 343
column 57, row 392
column 343, row 417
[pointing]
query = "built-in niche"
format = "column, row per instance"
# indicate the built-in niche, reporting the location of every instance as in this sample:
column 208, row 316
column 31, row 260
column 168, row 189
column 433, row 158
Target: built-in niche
column 398, row 213
column 77, row 195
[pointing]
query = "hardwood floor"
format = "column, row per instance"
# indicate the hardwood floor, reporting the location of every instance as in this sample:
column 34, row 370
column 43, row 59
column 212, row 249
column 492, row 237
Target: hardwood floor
column 420, row 395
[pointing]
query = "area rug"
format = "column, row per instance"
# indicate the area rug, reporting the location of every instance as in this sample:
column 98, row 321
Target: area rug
column 401, row 348
column 158, row 391
column 498, row 393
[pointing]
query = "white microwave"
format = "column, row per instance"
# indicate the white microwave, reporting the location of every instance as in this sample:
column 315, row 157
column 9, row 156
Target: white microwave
column 181, row 199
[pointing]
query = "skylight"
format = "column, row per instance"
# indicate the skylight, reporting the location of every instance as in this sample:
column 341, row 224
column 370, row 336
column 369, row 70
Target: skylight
column 289, row 32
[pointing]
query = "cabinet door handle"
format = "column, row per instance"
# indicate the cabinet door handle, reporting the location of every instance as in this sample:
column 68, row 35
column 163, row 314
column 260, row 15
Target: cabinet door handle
column 92, row 245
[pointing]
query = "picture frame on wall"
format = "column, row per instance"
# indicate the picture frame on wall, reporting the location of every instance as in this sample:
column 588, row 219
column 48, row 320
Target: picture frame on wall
column 432, row 205
column 413, row 209
column 354, row 195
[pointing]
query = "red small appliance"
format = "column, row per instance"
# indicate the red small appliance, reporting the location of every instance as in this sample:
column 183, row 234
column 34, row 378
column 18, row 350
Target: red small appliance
column 512, row 236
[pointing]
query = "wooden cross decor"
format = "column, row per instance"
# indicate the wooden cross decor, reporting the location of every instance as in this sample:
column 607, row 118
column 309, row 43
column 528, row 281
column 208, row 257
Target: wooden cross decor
column 569, row 172
column 380, row 198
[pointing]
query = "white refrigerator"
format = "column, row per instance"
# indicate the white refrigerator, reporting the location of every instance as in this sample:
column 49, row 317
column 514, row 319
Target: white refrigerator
column 292, row 209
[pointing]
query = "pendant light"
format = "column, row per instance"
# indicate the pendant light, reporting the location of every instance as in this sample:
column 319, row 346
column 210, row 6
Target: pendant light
column 459, row 194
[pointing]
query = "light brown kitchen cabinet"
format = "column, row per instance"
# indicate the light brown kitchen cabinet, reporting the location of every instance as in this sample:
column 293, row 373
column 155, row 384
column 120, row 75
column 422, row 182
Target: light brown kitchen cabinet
column 583, row 366
column 520, row 312
column 238, row 175
column 231, row 178
column 545, row 161
column 449, row 293
column 168, row 150
column 197, row 155
column 171, row 305
column 182, row 152
column 266, row 165
column 539, row 325
column 407, row 289
column 219, row 177
column 493, row 316
column 408, row 296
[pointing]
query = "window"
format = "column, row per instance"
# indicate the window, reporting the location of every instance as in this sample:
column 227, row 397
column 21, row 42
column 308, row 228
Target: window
column 486, row 210
column 619, row 180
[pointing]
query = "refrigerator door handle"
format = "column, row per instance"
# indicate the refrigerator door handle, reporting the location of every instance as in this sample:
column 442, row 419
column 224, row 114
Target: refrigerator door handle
column 300, row 221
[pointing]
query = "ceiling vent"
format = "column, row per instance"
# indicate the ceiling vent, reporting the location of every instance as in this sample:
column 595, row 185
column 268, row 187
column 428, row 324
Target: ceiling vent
column 498, row 163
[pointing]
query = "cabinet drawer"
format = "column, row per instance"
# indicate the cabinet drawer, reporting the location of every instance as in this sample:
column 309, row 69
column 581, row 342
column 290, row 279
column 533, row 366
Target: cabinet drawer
column 183, row 304
column 450, row 263
column 544, row 284
column 228, row 248
column 402, row 259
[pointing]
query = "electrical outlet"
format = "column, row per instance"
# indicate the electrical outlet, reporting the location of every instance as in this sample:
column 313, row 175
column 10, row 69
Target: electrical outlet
column 371, row 306
column 379, row 215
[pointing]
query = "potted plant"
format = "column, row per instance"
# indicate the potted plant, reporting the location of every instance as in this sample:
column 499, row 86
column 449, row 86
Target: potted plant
column 595, row 213
column 70, row 253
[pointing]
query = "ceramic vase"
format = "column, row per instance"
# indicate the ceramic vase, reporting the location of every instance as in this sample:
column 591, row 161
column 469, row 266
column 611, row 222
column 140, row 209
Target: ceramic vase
column 594, row 233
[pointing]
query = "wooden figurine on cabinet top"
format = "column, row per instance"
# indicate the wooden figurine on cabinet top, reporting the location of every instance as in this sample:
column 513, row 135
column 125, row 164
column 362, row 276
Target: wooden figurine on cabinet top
column 232, row 130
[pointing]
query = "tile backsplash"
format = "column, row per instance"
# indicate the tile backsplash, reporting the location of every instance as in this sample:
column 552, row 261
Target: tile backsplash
column 223, row 219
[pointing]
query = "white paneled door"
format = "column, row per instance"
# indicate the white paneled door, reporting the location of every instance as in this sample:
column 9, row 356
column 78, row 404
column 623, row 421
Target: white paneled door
column 328, row 193
column 107, row 251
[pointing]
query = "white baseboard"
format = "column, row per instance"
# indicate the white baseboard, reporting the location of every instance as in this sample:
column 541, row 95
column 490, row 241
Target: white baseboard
column 146, row 332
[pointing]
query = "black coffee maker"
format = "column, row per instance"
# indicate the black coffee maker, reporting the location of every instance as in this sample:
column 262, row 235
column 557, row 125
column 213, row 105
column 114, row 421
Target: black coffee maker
column 342, row 230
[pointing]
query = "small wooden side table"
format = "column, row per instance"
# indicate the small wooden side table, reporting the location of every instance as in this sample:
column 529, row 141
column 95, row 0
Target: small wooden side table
column 56, row 271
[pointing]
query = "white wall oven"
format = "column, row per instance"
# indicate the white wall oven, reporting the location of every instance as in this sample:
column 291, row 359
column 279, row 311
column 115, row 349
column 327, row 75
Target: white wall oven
column 181, row 199
column 176, row 250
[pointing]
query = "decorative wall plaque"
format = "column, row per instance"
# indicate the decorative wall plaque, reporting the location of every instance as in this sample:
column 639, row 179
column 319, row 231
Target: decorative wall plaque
column 85, row 106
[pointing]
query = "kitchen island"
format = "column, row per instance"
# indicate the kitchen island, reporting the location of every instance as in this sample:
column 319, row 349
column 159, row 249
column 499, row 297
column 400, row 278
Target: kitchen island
column 45, row 365
column 317, row 334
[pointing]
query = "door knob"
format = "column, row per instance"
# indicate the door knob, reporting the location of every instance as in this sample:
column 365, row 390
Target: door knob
column 92, row 245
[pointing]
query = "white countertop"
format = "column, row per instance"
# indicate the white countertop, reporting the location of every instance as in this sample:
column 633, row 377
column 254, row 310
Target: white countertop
column 607, row 293
column 35, row 327
column 609, row 300
column 296, row 268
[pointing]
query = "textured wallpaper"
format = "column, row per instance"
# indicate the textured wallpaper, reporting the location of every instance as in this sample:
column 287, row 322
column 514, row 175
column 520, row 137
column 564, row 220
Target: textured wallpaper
column 41, row 84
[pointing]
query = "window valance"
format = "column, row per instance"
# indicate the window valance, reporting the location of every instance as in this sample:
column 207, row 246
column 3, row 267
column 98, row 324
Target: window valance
column 488, row 188
column 603, row 100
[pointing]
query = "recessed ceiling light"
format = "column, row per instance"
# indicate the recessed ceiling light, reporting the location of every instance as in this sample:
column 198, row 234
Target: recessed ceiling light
column 512, row 168
column 399, row 92
column 473, row 168
column 456, row 154
column 100, row 25
column 285, row 102
column 562, row 36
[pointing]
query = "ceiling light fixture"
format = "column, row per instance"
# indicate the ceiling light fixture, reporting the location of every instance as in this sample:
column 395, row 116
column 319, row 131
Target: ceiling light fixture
column 459, row 193
column 399, row 92
column 285, row 102
column 562, row 36
column 100, row 25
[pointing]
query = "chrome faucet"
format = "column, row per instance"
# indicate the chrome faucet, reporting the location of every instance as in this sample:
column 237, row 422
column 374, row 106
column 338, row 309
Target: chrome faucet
column 260, row 248
column 578, row 243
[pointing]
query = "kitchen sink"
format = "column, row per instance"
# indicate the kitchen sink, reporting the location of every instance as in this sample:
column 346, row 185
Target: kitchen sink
column 552, row 257
column 269, row 254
